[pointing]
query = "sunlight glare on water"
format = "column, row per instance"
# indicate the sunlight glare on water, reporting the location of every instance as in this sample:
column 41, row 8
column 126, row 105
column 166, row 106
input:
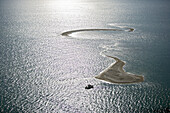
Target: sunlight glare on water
column 43, row 71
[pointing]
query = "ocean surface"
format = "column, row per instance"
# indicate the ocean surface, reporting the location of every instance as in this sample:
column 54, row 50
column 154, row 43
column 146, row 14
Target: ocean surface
column 42, row 71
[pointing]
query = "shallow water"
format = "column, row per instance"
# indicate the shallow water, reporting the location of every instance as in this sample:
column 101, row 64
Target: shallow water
column 43, row 71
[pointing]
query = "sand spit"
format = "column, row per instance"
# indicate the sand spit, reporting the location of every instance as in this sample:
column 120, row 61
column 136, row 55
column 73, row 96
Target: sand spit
column 67, row 33
column 115, row 74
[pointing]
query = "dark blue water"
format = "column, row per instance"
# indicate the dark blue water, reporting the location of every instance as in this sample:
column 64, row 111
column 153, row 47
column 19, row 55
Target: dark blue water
column 42, row 71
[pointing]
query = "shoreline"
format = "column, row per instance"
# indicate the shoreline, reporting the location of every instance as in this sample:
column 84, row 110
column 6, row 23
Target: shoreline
column 116, row 74
column 67, row 33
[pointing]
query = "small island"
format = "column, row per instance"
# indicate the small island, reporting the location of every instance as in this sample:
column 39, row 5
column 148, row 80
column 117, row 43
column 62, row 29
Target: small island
column 67, row 33
column 115, row 74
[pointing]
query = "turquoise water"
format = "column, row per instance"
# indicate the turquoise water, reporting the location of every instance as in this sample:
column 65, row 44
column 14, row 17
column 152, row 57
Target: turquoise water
column 42, row 71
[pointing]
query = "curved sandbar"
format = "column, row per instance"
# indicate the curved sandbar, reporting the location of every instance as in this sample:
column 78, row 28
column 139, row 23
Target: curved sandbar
column 115, row 74
column 67, row 33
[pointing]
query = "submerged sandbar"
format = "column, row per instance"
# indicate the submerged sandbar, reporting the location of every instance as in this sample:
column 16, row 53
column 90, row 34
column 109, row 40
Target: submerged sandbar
column 115, row 74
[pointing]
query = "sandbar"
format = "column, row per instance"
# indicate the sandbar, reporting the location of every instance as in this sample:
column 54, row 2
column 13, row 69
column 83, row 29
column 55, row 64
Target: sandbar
column 115, row 74
column 67, row 33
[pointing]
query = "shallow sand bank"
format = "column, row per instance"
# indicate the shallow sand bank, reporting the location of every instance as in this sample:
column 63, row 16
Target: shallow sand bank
column 115, row 74
column 67, row 33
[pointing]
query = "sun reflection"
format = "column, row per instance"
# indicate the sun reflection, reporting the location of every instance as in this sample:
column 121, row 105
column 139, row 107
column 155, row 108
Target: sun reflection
column 63, row 4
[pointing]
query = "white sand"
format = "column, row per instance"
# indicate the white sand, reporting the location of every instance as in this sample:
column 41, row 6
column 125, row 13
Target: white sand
column 115, row 74
column 67, row 33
